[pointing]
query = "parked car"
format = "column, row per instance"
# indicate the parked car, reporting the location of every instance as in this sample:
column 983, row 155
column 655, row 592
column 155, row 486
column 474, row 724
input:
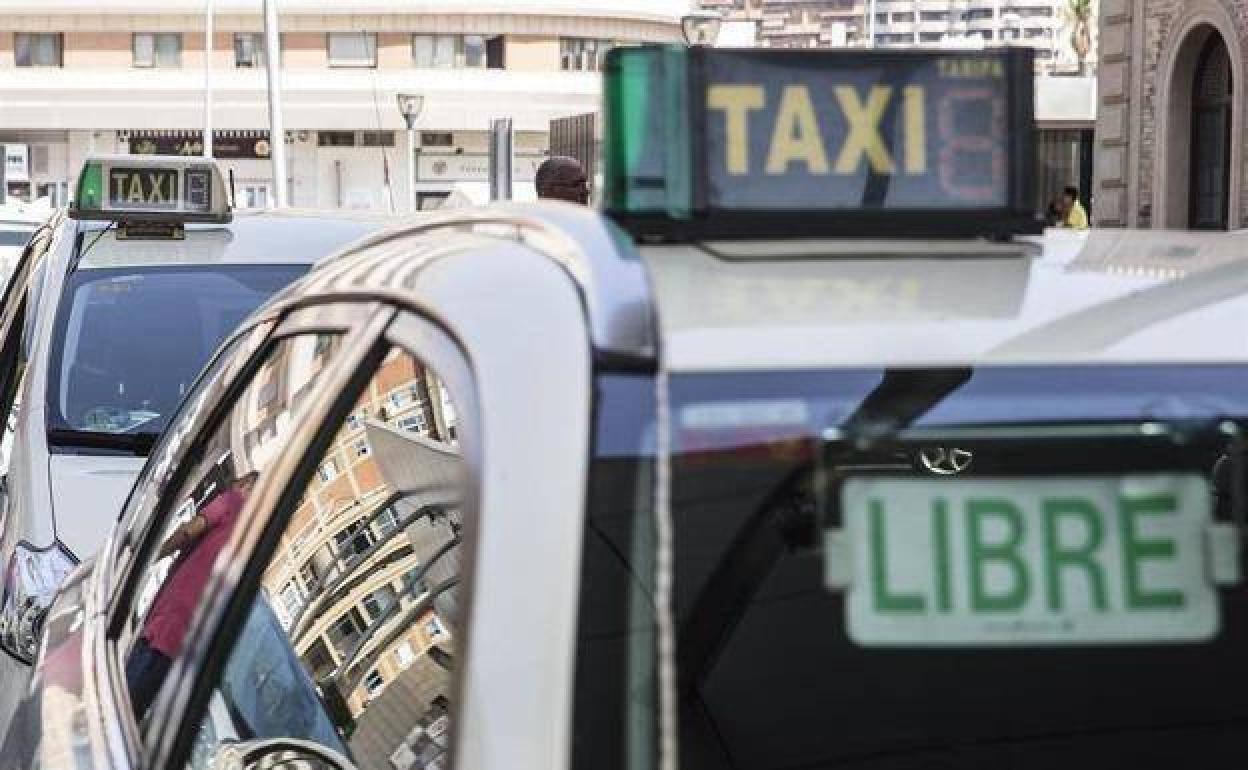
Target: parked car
column 114, row 308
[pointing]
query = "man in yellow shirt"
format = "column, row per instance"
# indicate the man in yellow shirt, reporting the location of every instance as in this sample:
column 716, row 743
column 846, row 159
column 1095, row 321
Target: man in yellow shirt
column 1074, row 216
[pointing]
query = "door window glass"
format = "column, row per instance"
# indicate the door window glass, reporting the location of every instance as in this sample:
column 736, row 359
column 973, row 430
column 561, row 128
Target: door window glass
column 378, row 635
column 205, row 513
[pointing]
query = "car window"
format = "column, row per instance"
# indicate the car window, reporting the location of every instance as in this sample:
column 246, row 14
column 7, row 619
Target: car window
column 959, row 567
column 353, row 637
column 143, row 502
column 197, row 523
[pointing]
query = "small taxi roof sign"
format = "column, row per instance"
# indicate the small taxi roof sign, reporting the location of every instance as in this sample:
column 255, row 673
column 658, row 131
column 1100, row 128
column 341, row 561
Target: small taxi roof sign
column 151, row 188
column 710, row 142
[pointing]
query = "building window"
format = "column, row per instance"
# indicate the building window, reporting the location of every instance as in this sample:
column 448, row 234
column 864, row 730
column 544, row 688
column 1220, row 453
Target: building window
column 373, row 683
column 292, row 600
column 362, row 449
column 255, row 195
column 311, row 581
column 433, row 628
column 353, row 422
column 414, row 423
column 328, row 471
column 354, row 540
column 42, row 49
column 335, row 138
column 579, row 54
column 343, row 631
column 352, row 49
column 436, row 51
column 376, row 138
column 157, row 49
column 404, row 655
column 39, row 159
column 436, row 139
column 398, row 398
column 934, row 15
column 248, row 49
column 446, row 52
column 930, row 37
column 386, row 522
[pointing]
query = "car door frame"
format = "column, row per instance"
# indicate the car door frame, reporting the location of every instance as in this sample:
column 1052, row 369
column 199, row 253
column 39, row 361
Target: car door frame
column 361, row 324
column 507, row 305
column 15, row 309
column 435, row 349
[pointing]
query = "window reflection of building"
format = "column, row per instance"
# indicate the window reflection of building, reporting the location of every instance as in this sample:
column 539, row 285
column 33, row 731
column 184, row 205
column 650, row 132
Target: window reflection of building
column 362, row 580
column 248, row 439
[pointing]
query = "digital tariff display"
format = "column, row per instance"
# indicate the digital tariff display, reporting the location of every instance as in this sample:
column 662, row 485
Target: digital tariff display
column 864, row 131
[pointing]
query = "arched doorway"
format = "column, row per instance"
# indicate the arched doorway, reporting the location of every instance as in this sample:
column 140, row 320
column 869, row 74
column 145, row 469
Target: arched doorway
column 1208, row 201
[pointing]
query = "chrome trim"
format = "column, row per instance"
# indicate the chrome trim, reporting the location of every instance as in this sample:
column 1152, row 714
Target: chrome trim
column 945, row 461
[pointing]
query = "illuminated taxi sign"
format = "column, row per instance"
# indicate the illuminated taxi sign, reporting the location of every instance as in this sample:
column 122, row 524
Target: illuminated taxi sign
column 740, row 143
column 131, row 188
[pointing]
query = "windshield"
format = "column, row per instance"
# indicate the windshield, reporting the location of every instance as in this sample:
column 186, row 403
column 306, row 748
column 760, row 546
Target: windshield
column 130, row 342
column 1022, row 567
column 15, row 237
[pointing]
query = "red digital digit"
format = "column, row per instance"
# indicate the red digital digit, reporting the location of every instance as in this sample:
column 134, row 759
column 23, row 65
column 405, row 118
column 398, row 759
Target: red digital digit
column 956, row 145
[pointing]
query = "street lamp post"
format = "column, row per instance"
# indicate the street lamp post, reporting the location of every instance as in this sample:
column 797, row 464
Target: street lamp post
column 410, row 106
column 208, row 41
column 701, row 27
column 277, row 134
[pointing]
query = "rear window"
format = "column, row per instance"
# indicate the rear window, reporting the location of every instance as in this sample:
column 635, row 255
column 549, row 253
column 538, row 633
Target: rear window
column 1027, row 567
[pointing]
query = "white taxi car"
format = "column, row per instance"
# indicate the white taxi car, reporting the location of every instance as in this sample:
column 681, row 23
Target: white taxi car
column 17, row 223
column 113, row 311
column 540, row 488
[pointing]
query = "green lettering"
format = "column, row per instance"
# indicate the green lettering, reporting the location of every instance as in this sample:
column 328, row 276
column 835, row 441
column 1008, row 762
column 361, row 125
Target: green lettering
column 1136, row 550
column 885, row 600
column 940, row 542
column 1060, row 555
column 1004, row 553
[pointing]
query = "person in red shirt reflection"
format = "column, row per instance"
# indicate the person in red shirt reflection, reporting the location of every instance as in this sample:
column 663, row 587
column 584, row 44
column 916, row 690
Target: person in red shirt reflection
column 198, row 542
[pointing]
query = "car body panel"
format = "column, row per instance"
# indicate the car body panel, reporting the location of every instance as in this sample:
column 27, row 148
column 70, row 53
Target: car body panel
column 1101, row 297
column 514, row 310
column 89, row 490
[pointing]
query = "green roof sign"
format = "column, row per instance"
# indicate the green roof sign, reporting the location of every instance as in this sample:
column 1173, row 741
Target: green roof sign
column 151, row 188
column 738, row 143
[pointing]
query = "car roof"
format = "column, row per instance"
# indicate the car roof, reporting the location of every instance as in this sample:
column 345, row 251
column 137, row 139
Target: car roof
column 264, row 237
column 598, row 256
column 1099, row 297
column 1111, row 296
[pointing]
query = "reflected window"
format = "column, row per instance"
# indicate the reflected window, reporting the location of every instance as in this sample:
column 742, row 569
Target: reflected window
column 202, row 518
column 376, row 633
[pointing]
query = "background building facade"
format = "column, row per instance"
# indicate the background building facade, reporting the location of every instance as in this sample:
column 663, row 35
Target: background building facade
column 1170, row 128
column 78, row 77
column 1046, row 25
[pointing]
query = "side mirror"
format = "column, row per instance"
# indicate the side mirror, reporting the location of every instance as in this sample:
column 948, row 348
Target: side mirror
column 273, row 753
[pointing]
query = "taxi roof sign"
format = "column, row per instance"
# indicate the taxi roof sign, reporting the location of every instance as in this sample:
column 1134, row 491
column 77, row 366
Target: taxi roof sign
column 724, row 143
column 151, row 189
